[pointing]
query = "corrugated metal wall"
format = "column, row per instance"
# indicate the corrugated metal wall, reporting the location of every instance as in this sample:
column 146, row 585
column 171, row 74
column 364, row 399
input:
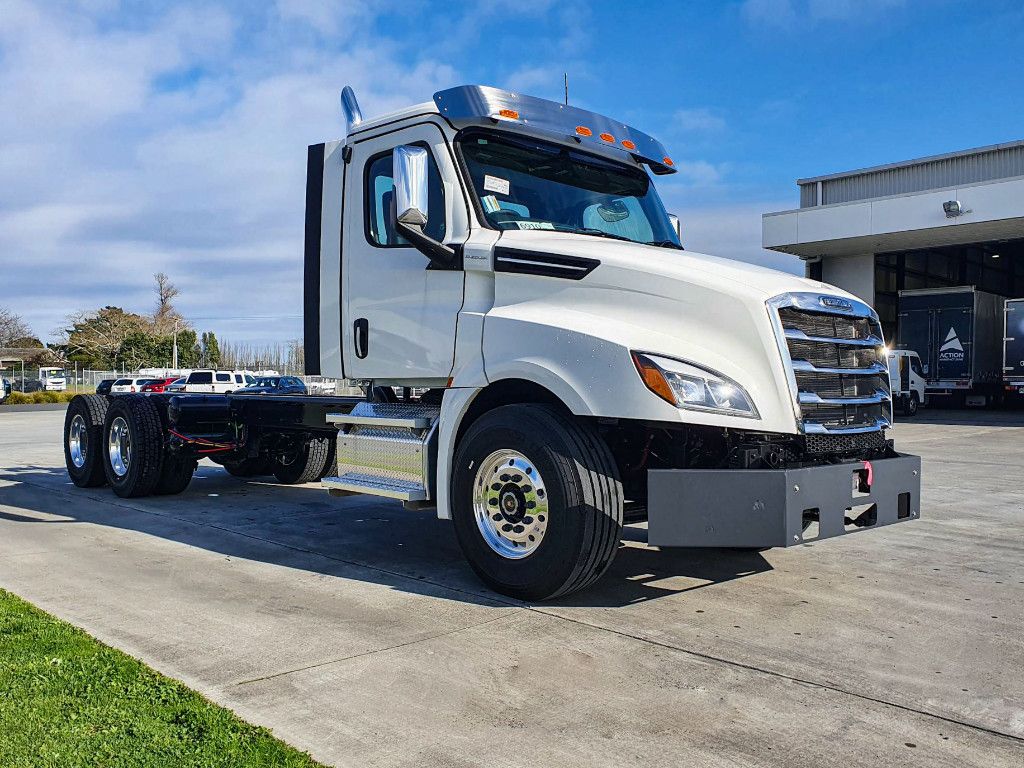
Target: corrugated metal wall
column 952, row 171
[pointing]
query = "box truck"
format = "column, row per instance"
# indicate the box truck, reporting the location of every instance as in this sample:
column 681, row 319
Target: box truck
column 1013, row 346
column 543, row 362
column 958, row 333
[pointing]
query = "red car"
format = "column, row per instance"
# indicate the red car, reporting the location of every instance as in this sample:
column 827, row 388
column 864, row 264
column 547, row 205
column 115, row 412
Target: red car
column 158, row 385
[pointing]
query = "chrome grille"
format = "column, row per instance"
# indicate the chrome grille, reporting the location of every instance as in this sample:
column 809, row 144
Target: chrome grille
column 838, row 365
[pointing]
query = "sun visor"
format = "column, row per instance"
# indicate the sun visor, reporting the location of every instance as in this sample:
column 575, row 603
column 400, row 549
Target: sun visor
column 482, row 105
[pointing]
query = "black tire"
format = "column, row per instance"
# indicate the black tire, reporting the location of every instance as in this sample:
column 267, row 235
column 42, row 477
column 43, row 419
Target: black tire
column 584, row 496
column 86, row 412
column 911, row 405
column 306, row 465
column 253, row 467
column 331, row 464
column 175, row 475
column 138, row 416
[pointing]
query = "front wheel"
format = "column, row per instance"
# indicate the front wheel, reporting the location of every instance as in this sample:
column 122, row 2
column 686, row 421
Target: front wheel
column 536, row 502
column 912, row 404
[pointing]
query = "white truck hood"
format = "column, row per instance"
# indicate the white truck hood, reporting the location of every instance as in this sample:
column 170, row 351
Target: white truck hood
column 705, row 310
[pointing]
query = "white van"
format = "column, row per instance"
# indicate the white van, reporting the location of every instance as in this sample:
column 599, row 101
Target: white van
column 907, row 377
column 219, row 382
column 130, row 384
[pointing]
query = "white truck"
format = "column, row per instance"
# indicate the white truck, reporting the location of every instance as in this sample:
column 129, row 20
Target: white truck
column 52, row 379
column 906, row 376
column 543, row 361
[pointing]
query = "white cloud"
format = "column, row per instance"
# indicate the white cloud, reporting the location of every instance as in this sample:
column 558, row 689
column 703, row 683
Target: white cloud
column 162, row 145
column 787, row 13
column 698, row 120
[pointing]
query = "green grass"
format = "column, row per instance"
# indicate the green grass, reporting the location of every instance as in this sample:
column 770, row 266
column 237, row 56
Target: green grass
column 67, row 700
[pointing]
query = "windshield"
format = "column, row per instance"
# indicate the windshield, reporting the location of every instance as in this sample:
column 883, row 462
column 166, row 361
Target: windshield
column 524, row 183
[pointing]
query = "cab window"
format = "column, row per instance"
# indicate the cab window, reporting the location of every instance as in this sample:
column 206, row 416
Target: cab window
column 380, row 202
column 915, row 366
column 201, row 377
column 224, row 377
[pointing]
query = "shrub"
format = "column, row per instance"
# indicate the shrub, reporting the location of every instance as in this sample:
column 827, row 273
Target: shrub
column 36, row 398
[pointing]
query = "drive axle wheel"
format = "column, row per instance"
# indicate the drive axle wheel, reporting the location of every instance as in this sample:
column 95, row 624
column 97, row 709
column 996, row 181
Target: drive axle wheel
column 133, row 446
column 83, row 440
column 305, row 465
column 536, row 502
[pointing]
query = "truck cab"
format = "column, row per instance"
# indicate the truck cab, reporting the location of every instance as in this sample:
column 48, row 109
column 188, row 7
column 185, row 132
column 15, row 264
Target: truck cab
column 52, row 379
column 908, row 382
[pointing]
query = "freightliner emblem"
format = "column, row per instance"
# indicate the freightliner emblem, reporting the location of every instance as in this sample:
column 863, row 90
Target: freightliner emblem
column 834, row 302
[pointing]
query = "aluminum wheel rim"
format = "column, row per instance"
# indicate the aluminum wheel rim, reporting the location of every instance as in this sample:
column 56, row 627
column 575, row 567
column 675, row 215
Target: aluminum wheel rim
column 78, row 441
column 119, row 446
column 510, row 503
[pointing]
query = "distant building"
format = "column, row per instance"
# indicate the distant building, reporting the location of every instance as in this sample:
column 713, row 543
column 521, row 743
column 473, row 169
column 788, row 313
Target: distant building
column 947, row 220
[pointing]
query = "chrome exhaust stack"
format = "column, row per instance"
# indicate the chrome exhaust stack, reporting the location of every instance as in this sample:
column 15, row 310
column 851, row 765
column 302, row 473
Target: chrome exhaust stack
column 350, row 109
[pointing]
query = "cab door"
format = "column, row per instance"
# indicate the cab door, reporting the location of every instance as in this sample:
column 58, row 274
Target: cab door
column 398, row 312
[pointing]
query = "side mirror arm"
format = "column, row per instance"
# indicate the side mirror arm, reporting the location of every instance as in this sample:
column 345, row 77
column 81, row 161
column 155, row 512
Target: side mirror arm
column 440, row 255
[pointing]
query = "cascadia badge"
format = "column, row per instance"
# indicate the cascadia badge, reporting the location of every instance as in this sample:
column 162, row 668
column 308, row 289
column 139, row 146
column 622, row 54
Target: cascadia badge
column 835, row 302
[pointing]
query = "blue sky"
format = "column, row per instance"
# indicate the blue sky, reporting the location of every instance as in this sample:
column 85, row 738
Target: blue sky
column 140, row 137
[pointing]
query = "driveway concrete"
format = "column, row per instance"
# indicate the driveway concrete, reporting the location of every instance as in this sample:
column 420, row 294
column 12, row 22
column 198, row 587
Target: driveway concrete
column 354, row 629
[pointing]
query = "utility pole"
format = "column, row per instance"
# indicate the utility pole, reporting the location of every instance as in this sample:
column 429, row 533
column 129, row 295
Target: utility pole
column 174, row 354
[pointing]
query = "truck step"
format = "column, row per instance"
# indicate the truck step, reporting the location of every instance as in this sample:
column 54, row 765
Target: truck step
column 387, row 449
column 376, row 486
column 348, row 419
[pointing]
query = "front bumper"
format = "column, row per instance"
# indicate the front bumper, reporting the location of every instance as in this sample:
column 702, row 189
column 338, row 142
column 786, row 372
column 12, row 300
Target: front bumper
column 779, row 507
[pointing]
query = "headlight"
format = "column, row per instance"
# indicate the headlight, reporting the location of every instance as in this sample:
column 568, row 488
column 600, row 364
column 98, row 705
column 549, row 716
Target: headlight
column 687, row 386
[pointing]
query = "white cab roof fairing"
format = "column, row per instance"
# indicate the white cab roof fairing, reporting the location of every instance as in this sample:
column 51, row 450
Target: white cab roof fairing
column 427, row 107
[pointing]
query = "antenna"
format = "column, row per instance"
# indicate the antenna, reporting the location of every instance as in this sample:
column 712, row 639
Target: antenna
column 565, row 79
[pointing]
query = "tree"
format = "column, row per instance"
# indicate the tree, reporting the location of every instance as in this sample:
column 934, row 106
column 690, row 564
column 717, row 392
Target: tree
column 95, row 338
column 165, row 317
column 13, row 329
column 210, row 350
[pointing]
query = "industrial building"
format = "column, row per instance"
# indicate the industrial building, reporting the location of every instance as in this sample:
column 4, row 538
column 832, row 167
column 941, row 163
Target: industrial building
column 942, row 221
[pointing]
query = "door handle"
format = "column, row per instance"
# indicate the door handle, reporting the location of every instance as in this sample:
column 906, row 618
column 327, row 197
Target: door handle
column 362, row 337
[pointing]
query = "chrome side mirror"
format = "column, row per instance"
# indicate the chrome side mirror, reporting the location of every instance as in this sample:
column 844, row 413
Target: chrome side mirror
column 411, row 194
column 674, row 221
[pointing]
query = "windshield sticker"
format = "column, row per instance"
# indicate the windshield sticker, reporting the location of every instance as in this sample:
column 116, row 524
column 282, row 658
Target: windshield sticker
column 490, row 204
column 534, row 224
column 494, row 184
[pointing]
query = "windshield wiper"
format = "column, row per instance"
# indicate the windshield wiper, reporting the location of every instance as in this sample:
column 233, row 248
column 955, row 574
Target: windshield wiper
column 667, row 244
column 600, row 233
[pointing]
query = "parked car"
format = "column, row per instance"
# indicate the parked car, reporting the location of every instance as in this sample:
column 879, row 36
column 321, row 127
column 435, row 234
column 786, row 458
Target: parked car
column 103, row 388
column 122, row 386
column 5, row 388
column 217, row 381
column 178, row 385
column 275, row 385
column 158, row 385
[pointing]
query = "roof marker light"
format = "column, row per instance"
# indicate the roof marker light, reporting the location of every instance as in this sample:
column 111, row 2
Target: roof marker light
column 667, row 161
column 511, row 114
column 582, row 130
column 628, row 144
column 607, row 137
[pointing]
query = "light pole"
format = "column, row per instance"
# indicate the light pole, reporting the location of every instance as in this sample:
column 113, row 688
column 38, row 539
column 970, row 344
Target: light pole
column 174, row 353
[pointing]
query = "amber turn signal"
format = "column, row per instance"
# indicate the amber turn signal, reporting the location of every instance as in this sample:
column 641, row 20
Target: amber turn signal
column 653, row 378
